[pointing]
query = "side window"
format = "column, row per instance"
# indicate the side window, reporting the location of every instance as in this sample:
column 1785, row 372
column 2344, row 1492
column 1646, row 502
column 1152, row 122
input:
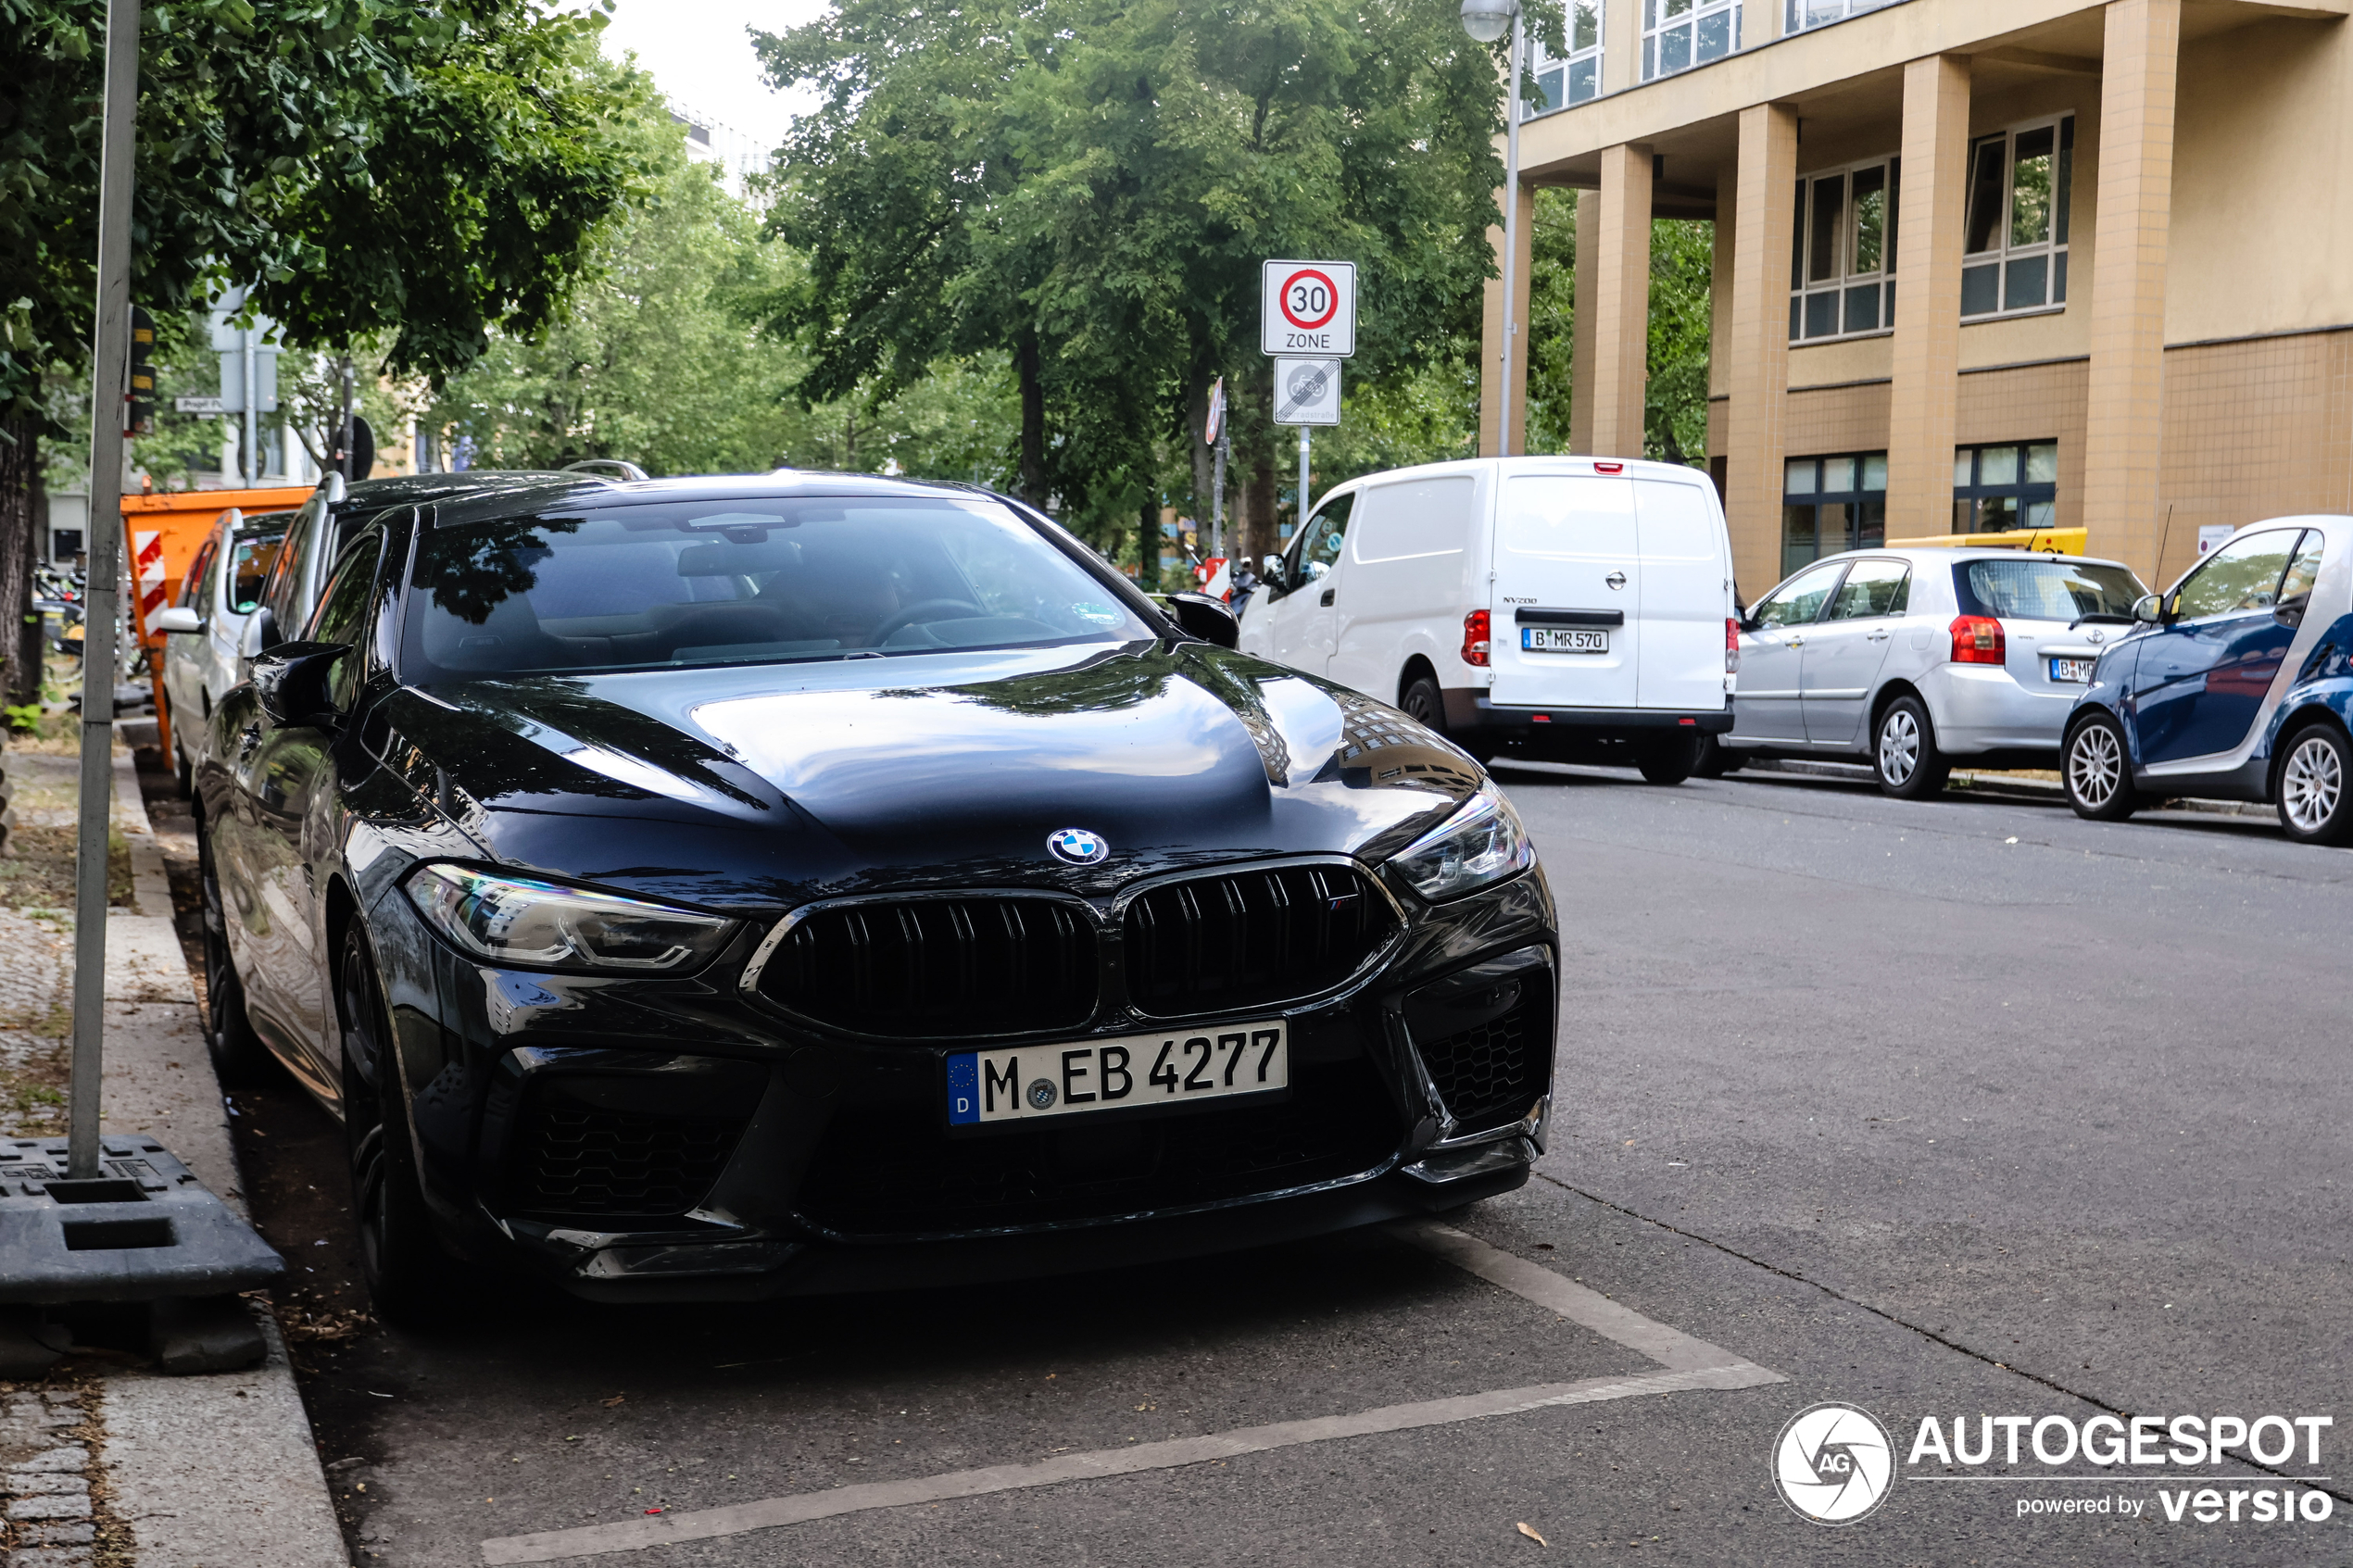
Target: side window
column 249, row 573
column 2296, row 588
column 343, row 610
column 2243, row 575
column 283, row 591
column 1872, row 588
column 1799, row 601
column 196, row 589
column 1320, row 541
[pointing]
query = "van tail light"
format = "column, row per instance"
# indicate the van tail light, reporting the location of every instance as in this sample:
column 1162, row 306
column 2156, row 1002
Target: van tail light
column 1610, row 467
column 1731, row 646
column 1977, row 639
column 1475, row 637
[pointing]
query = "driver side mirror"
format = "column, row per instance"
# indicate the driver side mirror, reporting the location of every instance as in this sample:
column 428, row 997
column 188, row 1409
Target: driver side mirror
column 1270, row 571
column 2149, row 610
column 291, row 681
column 1210, row 619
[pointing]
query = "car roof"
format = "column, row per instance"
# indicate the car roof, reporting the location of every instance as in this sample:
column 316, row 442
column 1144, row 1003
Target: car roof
column 1918, row 554
column 539, row 492
column 1626, row 468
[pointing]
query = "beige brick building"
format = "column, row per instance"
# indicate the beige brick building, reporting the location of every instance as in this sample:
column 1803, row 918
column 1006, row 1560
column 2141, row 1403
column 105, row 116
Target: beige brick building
column 1979, row 263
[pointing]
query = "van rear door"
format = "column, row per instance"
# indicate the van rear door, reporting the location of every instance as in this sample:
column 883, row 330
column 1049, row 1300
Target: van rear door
column 1566, row 632
column 1685, row 595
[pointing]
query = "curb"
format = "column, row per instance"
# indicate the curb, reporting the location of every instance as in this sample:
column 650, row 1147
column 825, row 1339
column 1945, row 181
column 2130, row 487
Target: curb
column 208, row 1469
column 1980, row 782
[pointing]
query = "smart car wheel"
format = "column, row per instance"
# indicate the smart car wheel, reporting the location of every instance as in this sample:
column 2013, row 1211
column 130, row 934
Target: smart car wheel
column 412, row 1283
column 1904, row 750
column 238, row 1055
column 2099, row 771
column 2315, row 787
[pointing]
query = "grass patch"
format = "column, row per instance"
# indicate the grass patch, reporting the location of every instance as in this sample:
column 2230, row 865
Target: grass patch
column 37, row 872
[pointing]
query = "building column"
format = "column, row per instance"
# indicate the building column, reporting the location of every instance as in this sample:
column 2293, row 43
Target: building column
column 1622, row 45
column 1923, row 404
column 1581, row 326
column 1758, row 382
column 1492, row 331
column 2123, row 432
column 1622, row 300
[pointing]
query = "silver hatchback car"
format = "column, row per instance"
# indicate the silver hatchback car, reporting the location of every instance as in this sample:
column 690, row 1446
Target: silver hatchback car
column 1917, row 657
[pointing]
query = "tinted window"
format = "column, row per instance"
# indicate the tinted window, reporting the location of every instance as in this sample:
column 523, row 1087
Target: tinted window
column 1872, row 587
column 249, row 564
column 2243, row 575
column 2048, row 588
column 1799, row 600
column 342, row 611
column 2297, row 586
column 746, row 582
column 196, row 590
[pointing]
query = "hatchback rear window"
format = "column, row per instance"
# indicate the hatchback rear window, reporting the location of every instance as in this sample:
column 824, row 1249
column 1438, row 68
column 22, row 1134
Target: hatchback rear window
column 2046, row 588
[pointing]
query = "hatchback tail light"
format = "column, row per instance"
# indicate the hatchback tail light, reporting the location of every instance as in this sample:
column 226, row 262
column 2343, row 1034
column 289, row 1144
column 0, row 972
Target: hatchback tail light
column 1731, row 646
column 1977, row 639
column 1475, row 637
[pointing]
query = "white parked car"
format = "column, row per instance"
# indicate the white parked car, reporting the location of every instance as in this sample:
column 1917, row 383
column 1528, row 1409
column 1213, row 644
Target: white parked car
column 222, row 590
column 1568, row 607
column 1915, row 658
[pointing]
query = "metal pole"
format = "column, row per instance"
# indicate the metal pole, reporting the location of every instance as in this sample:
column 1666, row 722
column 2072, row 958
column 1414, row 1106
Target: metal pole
column 1218, row 485
column 252, row 465
column 343, row 440
column 1303, row 476
column 1511, row 234
column 101, row 604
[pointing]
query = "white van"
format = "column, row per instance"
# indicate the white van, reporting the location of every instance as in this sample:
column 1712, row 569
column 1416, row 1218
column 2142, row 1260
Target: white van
column 1568, row 607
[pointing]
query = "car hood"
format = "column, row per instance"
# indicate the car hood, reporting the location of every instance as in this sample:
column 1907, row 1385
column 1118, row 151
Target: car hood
column 776, row 783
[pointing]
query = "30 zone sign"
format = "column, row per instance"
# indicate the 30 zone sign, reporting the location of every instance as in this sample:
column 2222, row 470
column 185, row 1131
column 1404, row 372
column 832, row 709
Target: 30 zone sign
column 1308, row 307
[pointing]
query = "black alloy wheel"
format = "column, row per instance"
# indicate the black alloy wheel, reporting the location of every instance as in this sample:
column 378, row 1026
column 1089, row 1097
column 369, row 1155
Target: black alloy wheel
column 2315, row 787
column 1903, row 752
column 2099, row 770
column 1668, row 761
column 238, row 1056
column 412, row 1283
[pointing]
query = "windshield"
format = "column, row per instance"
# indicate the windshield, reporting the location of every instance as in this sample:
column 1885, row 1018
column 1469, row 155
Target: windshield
column 745, row 582
column 2050, row 588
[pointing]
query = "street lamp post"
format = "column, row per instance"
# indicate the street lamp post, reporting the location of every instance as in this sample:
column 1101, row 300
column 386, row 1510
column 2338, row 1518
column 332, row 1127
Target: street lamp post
column 1486, row 20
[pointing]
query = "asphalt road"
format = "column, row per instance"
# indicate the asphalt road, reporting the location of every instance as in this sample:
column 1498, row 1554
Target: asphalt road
column 1958, row 1108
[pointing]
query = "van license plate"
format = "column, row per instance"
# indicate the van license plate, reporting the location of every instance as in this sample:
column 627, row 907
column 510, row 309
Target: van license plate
column 1563, row 639
column 2073, row 672
column 1026, row 1082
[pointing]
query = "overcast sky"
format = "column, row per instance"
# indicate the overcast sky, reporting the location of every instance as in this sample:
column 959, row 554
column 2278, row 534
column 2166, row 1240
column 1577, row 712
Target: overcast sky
column 700, row 56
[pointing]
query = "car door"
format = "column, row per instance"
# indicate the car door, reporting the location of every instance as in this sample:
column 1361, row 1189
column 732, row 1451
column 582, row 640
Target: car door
column 1682, row 591
column 1304, row 628
column 1768, row 701
column 1567, row 593
column 288, row 777
column 1840, row 662
column 2201, row 676
column 1407, row 545
column 183, row 652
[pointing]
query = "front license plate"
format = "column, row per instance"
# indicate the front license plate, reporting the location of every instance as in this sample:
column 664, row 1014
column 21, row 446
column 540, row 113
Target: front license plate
column 1563, row 639
column 2074, row 671
column 1025, row 1082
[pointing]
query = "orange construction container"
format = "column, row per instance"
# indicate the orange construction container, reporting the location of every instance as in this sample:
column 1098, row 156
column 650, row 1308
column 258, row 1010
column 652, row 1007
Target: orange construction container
column 161, row 535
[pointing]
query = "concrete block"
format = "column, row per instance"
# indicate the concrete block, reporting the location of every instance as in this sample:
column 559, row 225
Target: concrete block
column 72, row 1458
column 57, row 1532
column 50, row 1557
column 22, row 1483
column 75, row 1507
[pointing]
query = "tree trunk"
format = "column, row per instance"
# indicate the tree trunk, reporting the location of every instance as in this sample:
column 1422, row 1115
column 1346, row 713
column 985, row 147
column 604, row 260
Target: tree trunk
column 1033, row 420
column 1254, row 443
column 1149, row 545
column 1204, row 503
column 19, row 475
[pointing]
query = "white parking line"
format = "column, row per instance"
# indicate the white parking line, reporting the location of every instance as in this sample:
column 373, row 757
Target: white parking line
column 1687, row 1364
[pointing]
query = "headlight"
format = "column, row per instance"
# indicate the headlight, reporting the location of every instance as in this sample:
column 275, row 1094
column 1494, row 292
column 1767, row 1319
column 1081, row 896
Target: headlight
column 513, row 920
column 1482, row 843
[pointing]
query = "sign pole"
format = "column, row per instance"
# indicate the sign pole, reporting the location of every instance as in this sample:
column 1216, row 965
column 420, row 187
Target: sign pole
column 1511, row 235
column 109, row 364
column 1303, row 476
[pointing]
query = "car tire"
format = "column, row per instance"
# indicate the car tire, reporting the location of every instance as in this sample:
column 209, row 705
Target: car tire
column 239, row 1059
column 183, row 772
column 2097, row 769
column 412, row 1283
column 2315, row 787
column 1903, row 752
column 1716, row 759
column 1670, row 761
column 1425, row 704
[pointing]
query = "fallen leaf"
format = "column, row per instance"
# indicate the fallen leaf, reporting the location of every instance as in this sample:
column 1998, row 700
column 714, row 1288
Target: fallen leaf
column 1530, row 1531
column 614, row 1401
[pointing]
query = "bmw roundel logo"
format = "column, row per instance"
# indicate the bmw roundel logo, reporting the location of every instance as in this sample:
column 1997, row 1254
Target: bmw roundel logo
column 1041, row 1093
column 1076, row 846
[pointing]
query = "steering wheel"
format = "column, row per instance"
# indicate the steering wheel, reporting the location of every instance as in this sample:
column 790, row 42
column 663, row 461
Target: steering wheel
column 928, row 611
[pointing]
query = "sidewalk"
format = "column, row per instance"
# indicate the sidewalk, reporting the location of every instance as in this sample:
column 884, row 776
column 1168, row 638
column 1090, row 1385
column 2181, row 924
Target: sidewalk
column 106, row 1461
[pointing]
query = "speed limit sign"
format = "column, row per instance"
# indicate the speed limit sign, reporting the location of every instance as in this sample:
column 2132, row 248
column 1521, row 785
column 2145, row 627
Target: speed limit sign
column 1307, row 309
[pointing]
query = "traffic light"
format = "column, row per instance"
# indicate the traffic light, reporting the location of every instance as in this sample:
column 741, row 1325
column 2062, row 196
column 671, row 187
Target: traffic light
column 139, row 414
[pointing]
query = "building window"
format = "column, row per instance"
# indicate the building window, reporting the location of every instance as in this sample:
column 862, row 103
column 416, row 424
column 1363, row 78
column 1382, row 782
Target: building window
column 2021, row 184
column 1998, row 488
column 1841, row 266
column 1564, row 82
column 1833, row 504
column 1678, row 34
column 1804, row 14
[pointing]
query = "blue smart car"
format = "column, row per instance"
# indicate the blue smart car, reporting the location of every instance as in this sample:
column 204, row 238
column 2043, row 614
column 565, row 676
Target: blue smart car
column 2234, row 684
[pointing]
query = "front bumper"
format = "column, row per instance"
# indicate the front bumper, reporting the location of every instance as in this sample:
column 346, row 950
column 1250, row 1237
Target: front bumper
column 566, row 1128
